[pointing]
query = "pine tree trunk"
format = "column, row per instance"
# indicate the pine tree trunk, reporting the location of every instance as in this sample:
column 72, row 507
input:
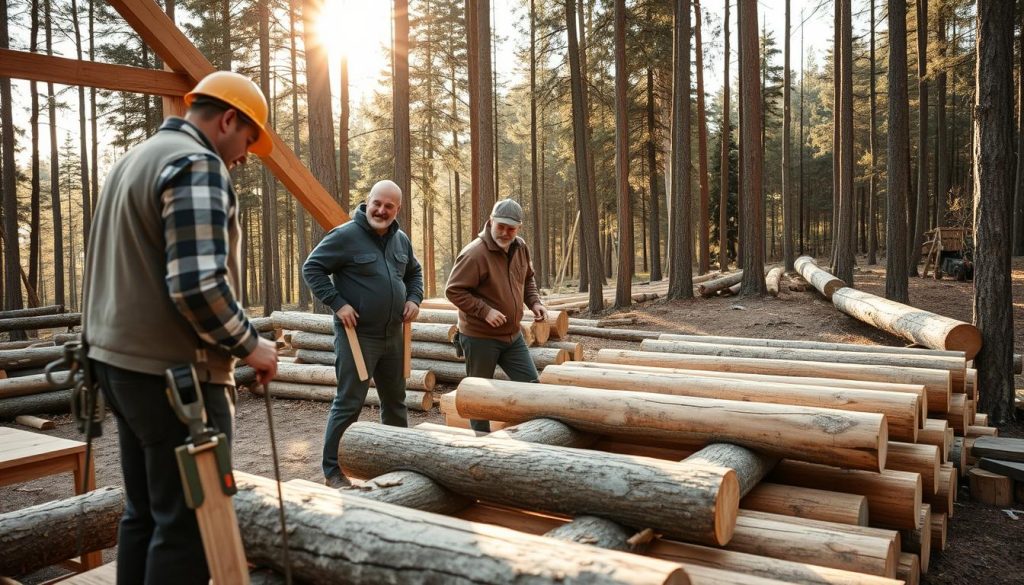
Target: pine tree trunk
column 12, row 252
column 1018, row 198
column 539, row 256
column 652, row 164
column 624, row 283
column 787, row 157
column 941, row 130
column 993, row 301
column 872, row 144
column 898, row 156
column 82, row 137
column 704, row 259
column 33, row 245
column 751, row 155
column 55, row 199
column 481, row 110
column 585, row 197
column 680, row 232
column 400, row 112
column 846, row 229
column 300, row 216
column 726, row 132
column 271, row 264
column 921, row 216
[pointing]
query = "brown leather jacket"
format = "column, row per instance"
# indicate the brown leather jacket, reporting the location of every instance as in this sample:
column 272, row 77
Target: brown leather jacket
column 486, row 277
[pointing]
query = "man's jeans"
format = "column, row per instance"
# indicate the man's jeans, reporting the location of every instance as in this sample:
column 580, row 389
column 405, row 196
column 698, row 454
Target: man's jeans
column 483, row 354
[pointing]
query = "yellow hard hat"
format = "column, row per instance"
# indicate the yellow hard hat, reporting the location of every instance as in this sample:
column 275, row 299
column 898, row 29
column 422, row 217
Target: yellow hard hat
column 242, row 94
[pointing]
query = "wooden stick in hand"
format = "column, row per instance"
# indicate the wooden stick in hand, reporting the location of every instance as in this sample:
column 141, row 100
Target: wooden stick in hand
column 357, row 353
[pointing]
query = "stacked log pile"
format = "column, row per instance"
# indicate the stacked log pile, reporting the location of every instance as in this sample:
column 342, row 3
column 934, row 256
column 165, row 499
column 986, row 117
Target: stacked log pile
column 24, row 389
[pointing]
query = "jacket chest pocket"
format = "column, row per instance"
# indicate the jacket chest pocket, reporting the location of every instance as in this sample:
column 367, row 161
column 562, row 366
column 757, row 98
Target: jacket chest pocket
column 517, row 272
column 364, row 264
column 400, row 261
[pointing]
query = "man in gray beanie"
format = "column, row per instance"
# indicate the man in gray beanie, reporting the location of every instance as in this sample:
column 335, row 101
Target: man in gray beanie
column 491, row 281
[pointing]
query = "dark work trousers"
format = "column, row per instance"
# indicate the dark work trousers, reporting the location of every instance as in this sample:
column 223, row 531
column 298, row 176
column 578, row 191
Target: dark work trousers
column 483, row 354
column 383, row 357
column 158, row 540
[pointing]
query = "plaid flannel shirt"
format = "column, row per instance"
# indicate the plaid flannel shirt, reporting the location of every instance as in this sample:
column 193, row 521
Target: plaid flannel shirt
column 198, row 202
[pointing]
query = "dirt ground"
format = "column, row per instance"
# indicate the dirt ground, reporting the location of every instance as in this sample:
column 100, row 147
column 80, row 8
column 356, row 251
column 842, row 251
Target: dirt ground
column 984, row 543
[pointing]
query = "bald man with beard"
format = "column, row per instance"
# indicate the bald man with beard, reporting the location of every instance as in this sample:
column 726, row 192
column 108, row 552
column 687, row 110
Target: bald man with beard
column 365, row 271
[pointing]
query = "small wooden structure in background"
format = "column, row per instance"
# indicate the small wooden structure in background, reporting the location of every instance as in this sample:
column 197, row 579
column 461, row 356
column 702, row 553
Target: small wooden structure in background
column 941, row 240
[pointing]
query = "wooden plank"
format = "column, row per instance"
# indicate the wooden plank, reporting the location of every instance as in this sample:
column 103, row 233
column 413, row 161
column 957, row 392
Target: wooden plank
column 1010, row 469
column 103, row 575
column 18, row 447
column 160, row 33
column 1001, row 448
column 39, row 67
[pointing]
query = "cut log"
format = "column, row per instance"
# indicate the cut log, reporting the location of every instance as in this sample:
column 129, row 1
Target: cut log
column 575, row 349
column 455, row 372
column 311, row 356
column 933, row 432
column 594, row 531
column 760, row 565
column 414, row 400
column 34, row 384
column 307, row 340
column 706, row 277
column 942, row 501
column 693, row 502
column 909, row 569
column 262, row 324
column 839, row 546
column 43, row 535
column 616, row 334
column 35, row 422
column 434, row 332
column 711, row 287
column 957, row 413
column 802, row 344
column 958, row 456
column 981, row 420
column 750, row 467
column 921, row 327
column 444, row 316
column 41, row 322
column 923, row 459
column 956, row 366
column 349, row 539
column 937, row 383
column 435, row 351
column 826, row 284
column 6, row 345
column 999, row 448
column 914, row 389
column 894, row 497
column 62, row 338
column 772, row 280
column 319, row 374
column 559, row 323
column 853, row 439
column 940, row 524
column 990, row 488
column 300, row 321
column 971, row 384
column 902, row 411
column 919, row 541
column 978, row 432
column 540, row 331
column 807, row 503
column 16, row 359
column 32, row 312
column 57, row 402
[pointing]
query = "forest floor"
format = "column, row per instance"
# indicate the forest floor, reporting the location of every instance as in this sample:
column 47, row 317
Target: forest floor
column 984, row 543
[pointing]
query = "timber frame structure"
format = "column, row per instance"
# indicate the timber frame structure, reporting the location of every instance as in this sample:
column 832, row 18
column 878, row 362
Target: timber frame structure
column 186, row 67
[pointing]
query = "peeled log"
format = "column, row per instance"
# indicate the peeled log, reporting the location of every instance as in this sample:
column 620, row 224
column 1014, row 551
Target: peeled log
column 939, row 528
column 57, row 402
column 853, row 439
column 921, row 327
column 300, row 321
column 41, row 322
column 347, row 539
column 694, row 502
column 916, row 390
column 909, row 569
column 807, row 503
column 956, row 366
column 43, row 535
column 902, row 411
column 819, row 279
column 937, row 383
column 923, row 459
column 894, row 497
column 709, row 288
column 414, row 400
column 919, row 541
column 575, row 349
column 16, row 359
column 956, row 416
column 772, row 280
column 616, row 334
column 802, row 344
column 942, row 501
column 421, row 380
column 34, row 384
column 933, row 432
column 839, row 546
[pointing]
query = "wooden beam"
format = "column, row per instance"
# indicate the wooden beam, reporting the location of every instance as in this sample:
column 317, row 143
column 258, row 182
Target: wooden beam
column 160, row 33
column 38, row 67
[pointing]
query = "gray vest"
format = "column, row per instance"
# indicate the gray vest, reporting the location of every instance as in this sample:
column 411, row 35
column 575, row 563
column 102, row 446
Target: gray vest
column 129, row 319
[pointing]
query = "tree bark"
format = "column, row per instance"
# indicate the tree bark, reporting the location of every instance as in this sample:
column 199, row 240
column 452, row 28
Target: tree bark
column 921, row 216
column 898, row 156
column 9, row 174
column 787, row 161
column 1018, row 197
column 58, row 402
column 28, row 385
column 400, row 111
column 826, row 284
column 993, row 300
column 858, row 440
column 341, row 535
column 872, row 140
column 87, row 523
column 652, row 164
column 481, row 118
column 271, row 252
column 627, row 256
column 709, row 288
column 41, row 322
column 726, row 132
column 698, row 503
column 18, row 359
column 751, row 155
column 704, row 258
column 941, row 128
column 846, row 230
column 680, row 231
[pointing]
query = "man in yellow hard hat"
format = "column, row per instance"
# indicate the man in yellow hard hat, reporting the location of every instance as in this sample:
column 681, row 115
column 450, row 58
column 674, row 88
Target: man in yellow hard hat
column 162, row 268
